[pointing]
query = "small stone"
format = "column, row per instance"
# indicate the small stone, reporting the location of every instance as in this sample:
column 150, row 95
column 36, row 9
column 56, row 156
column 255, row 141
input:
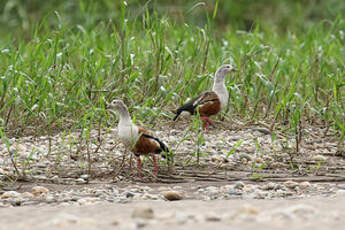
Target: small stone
column 245, row 156
column 80, row 181
column 141, row 223
column 88, row 200
column 249, row 188
column 27, row 195
column 84, row 176
column 115, row 223
column 319, row 158
column 212, row 218
column 143, row 212
column 304, row 185
column 262, row 130
column 234, row 192
column 55, row 178
column 239, row 185
column 38, row 190
column 16, row 202
column 129, row 194
column 290, row 184
column 2, row 205
column 50, row 199
column 278, row 165
column 177, row 187
column 10, row 194
column 172, row 195
column 261, row 194
column 162, row 188
column 212, row 189
column 259, row 160
column 269, row 186
column 148, row 196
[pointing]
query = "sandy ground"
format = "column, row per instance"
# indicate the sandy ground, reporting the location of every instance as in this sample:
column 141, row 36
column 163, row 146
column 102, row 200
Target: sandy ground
column 310, row 213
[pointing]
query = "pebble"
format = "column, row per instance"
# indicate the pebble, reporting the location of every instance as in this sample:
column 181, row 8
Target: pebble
column 129, row 194
column 16, row 202
column 304, row 185
column 319, row 158
column 239, row 185
column 88, row 200
column 141, row 223
column 2, row 205
column 143, row 212
column 80, row 181
column 84, row 176
column 245, row 156
column 259, row 160
column 290, row 184
column 269, row 186
column 10, row 194
column 172, row 195
column 278, row 165
column 234, row 192
column 27, row 195
column 249, row 188
column 38, row 190
column 212, row 218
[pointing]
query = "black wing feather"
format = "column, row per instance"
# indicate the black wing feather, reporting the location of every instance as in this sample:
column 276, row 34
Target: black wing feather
column 161, row 144
column 190, row 105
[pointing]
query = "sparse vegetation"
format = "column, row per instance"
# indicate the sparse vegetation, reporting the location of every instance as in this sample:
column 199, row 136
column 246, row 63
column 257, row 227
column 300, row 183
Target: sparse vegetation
column 59, row 64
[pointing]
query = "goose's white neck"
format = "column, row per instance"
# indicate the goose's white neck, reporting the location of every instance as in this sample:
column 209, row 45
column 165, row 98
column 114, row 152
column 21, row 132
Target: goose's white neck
column 127, row 131
column 220, row 88
column 125, row 118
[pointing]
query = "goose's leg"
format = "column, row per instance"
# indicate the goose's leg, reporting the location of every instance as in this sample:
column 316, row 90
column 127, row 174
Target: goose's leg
column 139, row 166
column 204, row 119
column 211, row 122
column 155, row 171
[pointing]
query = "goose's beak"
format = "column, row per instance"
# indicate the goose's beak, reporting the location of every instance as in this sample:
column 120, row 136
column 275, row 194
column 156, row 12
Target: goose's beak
column 106, row 103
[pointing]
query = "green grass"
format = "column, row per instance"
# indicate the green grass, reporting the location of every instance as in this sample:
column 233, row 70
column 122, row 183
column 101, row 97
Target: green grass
column 59, row 78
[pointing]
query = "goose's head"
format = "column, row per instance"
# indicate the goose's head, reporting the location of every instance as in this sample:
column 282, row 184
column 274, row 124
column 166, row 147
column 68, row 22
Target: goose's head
column 225, row 69
column 117, row 105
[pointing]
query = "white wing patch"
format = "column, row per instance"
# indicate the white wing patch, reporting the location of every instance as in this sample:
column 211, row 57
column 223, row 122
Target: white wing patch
column 197, row 101
column 129, row 134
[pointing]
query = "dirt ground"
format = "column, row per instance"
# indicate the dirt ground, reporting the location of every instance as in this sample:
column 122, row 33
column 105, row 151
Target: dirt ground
column 263, row 184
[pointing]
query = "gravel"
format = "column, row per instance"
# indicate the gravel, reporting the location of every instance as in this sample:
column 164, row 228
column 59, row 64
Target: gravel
column 112, row 193
column 236, row 162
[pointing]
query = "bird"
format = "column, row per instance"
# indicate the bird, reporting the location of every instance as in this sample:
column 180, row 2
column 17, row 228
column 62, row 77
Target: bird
column 211, row 102
column 139, row 140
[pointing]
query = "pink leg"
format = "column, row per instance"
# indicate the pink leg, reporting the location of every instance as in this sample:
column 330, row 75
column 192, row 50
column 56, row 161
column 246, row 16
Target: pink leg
column 139, row 166
column 204, row 119
column 211, row 122
column 155, row 171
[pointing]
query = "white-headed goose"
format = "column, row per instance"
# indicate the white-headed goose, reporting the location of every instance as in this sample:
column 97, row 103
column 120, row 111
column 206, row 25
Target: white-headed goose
column 135, row 138
column 211, row 102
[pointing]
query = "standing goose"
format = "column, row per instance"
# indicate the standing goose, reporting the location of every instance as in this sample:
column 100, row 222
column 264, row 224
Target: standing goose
column 211, row 102
column 135, row 138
